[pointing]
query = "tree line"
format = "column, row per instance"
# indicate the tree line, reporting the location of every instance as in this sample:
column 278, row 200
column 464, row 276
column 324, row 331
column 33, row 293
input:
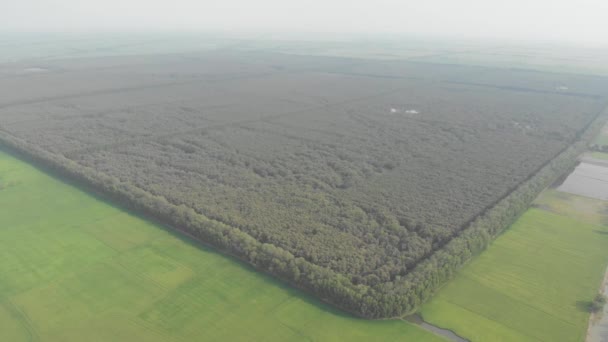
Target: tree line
column 387, row 299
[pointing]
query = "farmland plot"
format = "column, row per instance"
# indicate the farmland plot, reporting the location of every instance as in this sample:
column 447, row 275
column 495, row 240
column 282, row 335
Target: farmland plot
column 534, row 282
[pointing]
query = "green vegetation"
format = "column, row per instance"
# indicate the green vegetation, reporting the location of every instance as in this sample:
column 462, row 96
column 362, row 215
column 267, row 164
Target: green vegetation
column 599, row 155
column 597, row 304
column 602, row 139
column 390, row 299
column 367, row 183
column 600, row 143
column 75, row 267
column 581, row 208
column 534, row 282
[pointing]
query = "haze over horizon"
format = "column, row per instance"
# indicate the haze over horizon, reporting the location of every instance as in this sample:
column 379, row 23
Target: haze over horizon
column 581, row 22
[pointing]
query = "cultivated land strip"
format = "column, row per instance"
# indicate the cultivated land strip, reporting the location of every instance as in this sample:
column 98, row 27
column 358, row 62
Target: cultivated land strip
column 120, row 90
column 530, row 90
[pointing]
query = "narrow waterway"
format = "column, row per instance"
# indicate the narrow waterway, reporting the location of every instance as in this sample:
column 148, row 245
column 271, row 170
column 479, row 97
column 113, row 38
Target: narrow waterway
column 449, row 334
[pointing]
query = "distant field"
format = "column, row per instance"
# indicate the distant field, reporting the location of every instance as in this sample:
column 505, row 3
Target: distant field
column 541, row 59
column 50, row 46
column 599, row 155
column 602, row 138
column 75, row 268
column 581, row 208
column 587, row 179
column 534, row 281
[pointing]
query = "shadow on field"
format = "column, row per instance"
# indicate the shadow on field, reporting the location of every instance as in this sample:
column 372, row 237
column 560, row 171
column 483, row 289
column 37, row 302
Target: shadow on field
column 584, row 305
column 601, row 232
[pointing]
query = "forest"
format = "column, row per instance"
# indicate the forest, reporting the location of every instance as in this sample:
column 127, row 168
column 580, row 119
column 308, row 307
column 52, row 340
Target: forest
column 367, row 183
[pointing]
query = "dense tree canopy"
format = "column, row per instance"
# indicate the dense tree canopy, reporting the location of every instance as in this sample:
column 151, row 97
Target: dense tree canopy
column 367, row 191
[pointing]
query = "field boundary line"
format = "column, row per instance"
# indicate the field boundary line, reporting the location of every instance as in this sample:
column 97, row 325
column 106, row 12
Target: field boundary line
column 23, row 318
column 296, row 331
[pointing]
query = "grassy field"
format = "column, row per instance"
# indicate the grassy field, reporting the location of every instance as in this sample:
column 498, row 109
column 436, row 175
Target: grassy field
column 75, row 268
column 602, row 138
column 581, row 208
column 600, row 155
column 534, row 282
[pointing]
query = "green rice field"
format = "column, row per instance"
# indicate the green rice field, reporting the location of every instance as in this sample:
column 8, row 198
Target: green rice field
column 599, row 155
column 602, row 138
column 75, row 268
column 535, row 281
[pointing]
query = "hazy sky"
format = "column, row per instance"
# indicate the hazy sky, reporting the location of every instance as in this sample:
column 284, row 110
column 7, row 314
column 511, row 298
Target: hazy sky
column 584, row 21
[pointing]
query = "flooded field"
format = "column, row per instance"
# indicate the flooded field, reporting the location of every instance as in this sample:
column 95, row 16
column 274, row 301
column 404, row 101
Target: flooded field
column 536, row 281
column 590, row 180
